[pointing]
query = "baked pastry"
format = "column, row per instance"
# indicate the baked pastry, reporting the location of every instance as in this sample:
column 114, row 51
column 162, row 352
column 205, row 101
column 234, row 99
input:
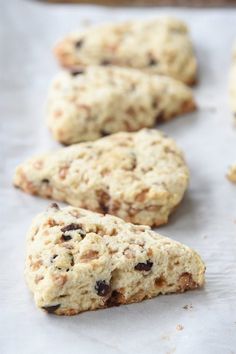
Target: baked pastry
column 78, row 260
column 140, row 177
column 158, row 46
column 232, row 173
column 96, row 101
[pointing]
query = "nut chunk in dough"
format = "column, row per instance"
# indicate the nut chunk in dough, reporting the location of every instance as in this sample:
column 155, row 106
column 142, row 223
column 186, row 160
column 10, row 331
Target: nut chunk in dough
column 78, row 260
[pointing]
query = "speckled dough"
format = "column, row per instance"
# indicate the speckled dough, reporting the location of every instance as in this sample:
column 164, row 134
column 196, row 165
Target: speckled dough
column 140, row 177
column 159, row 46
column 97, row 101
column 233, row 83
column 232, row 173
column 78, row 260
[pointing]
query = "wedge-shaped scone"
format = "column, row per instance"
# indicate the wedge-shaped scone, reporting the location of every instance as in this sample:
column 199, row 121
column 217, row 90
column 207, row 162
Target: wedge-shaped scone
column 231, row 174
column 139, row 177
column 233, row 82
column 159, row 46
column 97, row 101
column 78, row 260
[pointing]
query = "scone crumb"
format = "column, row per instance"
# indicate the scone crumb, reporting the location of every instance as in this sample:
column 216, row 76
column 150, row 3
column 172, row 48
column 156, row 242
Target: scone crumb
column 188, row 307
column 179, row 327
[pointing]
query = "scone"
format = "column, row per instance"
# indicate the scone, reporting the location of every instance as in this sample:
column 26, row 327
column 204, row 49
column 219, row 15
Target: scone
column 158, row 46
column 96, row 101
column 232, row 173
column 78, row 260
column 233, row 82
column 140, row 177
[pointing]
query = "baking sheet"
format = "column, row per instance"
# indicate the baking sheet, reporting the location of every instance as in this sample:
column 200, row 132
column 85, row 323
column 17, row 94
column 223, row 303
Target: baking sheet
column 206, row 220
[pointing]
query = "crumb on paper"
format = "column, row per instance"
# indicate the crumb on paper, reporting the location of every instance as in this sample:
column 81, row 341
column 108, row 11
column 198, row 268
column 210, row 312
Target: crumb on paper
column 188, row 307
column 165, row 337
column 179, row 327
column 204, row 236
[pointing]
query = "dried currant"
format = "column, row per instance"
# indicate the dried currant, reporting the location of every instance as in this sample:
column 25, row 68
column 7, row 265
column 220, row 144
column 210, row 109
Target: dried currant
column 79, row 43
column 159, row 117
column 45, row 180
column 66, row 237
column 104, row 133
column 152, row 62
column 104, row 208
column 105, row 62
column 53, row 257
column 154, row 104
column 144, row 266
column 51, row 309
column 72, row 262
column 77, row 72
column 72, row 227
column 102, row 288
column 55, row 206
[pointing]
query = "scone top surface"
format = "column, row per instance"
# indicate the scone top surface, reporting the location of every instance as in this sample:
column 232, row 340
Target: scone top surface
column 158, row 46
column 139, row 177
column 99, row 100
column 78, row 260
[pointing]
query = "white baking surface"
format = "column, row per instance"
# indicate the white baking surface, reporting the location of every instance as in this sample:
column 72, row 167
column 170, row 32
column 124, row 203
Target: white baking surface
column 206, row 220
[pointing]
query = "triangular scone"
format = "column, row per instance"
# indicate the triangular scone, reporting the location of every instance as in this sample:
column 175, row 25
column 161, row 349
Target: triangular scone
column 78, row 260
column 140, row 177
column 158, row 46
column 97, row 101
column 233, row 82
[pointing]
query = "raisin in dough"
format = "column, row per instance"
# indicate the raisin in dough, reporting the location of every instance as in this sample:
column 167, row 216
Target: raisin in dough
column 232, row 173
column 97, row 101
column 78, row 260
column 233, row 82
column 140, row 177
column 159, row 46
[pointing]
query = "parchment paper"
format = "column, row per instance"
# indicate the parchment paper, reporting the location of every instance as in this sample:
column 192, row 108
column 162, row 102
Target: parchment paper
column 206, row 220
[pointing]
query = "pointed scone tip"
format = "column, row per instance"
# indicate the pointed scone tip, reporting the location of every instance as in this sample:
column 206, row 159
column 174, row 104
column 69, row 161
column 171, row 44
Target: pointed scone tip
column 89, row 103
column 168, row 49
column 78, row 260
column 140, row 177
